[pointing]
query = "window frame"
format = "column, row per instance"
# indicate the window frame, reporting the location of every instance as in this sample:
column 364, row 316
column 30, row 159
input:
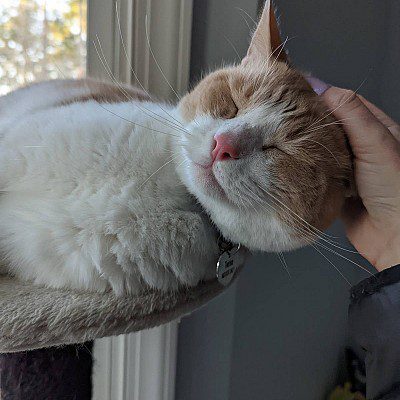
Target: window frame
column 140, row 365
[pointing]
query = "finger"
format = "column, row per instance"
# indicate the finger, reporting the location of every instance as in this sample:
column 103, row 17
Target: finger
column 393, row 126
column 369, row 138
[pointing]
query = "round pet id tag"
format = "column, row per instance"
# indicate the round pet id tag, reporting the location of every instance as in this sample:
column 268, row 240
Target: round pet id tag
column 229, row 261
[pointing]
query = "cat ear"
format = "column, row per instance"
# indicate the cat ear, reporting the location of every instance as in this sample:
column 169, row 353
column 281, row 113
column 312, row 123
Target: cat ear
column 266, row 42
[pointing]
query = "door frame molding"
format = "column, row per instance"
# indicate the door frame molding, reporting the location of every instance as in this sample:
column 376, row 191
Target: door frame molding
column 136, row 366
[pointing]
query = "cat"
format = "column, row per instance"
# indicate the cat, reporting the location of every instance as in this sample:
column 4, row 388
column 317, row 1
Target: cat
column 103, row 188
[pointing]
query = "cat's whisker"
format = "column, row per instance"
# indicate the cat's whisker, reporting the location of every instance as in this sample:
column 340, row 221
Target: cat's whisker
column 245, row 20
column 132, row 69
column 324, row 237
column 304, row 225
column 337, row 122
column 252, row 205
column 182, row 162
column 279, row 48
column 302, row 220
column 345, row 258
column 232, row 45
column 322, row 145
column 245, row 12
column 124, row 119
column 337, row 245
column 333, row 265
column 241, row 200
column 266, row 39
column 237, row 192
column 261, row 203
column 343, row 103
column 159, row 169
column 136, row 124
column 284, row 263
column 292, row 212
column 311, row 237
column 155, row 59
column 312, row 240
column 114, row 80
column 260, row 79
column 128, row 97
column 87, row 349
column 280, row 52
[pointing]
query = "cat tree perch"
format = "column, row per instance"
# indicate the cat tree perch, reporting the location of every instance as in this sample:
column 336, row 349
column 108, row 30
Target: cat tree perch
column 33, row 317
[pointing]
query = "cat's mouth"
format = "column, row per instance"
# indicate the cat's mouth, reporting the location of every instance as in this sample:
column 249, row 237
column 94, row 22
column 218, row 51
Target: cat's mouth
column 205, row 176
column 203, row 166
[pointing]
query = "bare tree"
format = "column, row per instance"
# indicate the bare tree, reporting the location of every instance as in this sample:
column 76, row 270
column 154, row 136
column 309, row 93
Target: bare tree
column 37, row 40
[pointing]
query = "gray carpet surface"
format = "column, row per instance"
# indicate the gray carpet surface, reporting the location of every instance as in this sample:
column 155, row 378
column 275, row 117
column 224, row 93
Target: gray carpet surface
column 33, row 317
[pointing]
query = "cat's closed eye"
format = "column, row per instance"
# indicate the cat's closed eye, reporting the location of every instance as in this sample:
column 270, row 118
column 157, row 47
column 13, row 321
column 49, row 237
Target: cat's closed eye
column 269, row 147
column 229, row 109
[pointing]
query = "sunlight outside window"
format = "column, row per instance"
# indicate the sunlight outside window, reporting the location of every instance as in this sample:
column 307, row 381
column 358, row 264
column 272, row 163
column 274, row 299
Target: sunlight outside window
column 41, row 39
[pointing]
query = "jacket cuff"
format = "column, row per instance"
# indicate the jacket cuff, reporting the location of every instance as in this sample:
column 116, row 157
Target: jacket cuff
column 393, row 394
column 374, row 283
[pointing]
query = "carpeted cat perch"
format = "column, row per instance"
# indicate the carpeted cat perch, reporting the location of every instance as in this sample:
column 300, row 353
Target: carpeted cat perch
column 33, row 317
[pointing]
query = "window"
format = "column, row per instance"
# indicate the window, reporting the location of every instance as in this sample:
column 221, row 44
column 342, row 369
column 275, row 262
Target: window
column 45, row 39
column 41, row 39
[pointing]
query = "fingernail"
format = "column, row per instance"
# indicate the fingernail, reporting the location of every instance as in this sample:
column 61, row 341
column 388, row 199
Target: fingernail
column 319, row 87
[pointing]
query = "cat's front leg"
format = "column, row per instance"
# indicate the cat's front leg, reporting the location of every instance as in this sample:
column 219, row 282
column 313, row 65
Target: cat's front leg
column 194, row 251
column 169, row 248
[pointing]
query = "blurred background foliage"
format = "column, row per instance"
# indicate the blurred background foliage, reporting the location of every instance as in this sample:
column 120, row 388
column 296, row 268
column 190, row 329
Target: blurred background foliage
column 41, row 39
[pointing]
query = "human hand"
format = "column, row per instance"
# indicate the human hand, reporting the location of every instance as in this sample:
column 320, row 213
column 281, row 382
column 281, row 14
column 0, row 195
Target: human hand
column 372, row 220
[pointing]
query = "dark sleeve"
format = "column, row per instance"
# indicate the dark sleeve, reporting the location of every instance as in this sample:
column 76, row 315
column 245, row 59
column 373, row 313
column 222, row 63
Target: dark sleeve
column 374, row 319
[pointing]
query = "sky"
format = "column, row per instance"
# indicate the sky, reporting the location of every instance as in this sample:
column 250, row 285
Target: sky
column 52, row 5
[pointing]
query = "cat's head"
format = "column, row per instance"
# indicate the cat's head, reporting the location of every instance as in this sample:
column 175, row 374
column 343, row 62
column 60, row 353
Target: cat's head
column 264, row 156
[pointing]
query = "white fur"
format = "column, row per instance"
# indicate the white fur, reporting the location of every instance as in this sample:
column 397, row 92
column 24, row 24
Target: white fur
column 99, row 195
column 78, row 208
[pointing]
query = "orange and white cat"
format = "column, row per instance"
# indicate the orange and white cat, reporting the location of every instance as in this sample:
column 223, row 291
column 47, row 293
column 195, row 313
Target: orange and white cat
column 102, row 187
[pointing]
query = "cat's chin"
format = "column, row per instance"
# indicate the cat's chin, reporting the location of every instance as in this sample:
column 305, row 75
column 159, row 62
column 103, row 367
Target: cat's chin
column 272, row 236
column 204, row 180
column 257, row 232
column 260, row 230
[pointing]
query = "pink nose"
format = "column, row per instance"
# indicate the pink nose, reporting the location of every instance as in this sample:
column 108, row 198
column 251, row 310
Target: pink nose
column 224, row 149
